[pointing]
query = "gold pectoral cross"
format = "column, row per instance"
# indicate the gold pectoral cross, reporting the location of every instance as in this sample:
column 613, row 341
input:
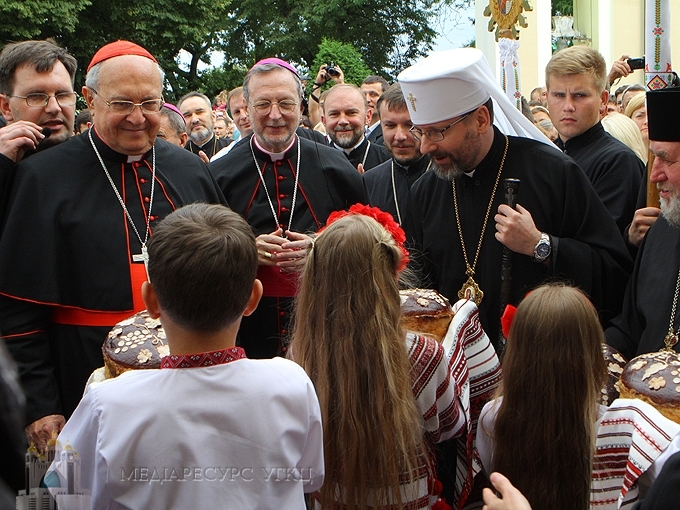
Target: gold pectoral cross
column 670, row 340
column 471, row 291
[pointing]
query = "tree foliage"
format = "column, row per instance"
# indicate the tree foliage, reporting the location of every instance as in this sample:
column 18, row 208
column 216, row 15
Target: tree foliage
column 564, row 7
column 27, row 19
column 388, row 34
column 344, row 55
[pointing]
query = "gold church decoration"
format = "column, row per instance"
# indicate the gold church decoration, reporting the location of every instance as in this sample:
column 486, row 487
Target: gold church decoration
column 506, row 14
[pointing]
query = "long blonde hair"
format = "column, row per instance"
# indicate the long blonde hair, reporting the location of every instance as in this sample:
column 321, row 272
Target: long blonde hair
column 544, row 437
column 348, row 339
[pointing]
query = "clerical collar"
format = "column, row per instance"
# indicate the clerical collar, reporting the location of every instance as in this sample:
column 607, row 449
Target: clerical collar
column 274, row 156
column 489, row 164
column 206, row 142
column 589, row 136
column 111, row 155
column 349, row 151
column 204, row 359
column 414, row 167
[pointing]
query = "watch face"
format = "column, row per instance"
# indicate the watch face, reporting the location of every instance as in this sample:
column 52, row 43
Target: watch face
column 542, row 250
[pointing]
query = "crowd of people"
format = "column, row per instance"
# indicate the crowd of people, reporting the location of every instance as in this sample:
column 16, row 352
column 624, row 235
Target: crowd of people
column 272, row 248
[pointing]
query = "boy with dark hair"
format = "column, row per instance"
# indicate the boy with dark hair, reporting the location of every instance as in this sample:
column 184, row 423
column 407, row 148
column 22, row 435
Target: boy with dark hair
column 246, row 433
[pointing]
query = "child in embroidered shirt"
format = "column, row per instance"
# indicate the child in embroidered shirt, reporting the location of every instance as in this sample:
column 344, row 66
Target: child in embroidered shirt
column 246, row 433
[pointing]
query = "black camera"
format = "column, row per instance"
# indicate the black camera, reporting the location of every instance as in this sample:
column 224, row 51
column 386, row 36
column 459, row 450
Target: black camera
column 332, row 71
column 636, row 63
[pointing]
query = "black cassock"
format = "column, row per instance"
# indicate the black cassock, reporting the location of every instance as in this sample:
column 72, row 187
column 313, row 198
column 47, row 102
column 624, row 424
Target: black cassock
column 370, row 154
column 587, row 249
column 644, row 320
column 379, row 185
column 613, row 169
column 327, row 182
column 66, row 254
column 210, row 148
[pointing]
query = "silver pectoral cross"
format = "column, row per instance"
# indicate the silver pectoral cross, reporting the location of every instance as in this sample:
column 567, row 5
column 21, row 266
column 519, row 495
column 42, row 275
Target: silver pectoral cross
column 143, row 257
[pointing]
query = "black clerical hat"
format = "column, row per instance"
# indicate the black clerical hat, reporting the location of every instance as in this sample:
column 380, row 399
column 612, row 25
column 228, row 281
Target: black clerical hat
column 663, row 114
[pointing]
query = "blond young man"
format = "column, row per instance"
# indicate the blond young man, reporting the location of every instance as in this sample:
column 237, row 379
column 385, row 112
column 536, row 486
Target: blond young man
column 576, row 79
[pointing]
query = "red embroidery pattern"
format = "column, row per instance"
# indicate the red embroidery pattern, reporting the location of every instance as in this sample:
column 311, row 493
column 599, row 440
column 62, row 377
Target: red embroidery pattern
column 204, row 359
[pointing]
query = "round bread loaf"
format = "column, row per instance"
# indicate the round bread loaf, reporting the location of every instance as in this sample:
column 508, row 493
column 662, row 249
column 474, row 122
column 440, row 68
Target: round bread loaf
column 615, row 365
column 137, row 342
column 426, row 311
column 654, row 378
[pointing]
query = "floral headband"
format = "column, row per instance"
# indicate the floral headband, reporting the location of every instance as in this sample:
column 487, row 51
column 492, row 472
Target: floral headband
column 384, row 218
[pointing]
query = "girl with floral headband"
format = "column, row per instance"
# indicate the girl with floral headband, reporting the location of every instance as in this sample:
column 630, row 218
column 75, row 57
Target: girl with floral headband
column 386, row 396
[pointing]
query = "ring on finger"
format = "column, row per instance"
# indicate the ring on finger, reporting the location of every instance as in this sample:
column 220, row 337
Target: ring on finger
column 267, row 255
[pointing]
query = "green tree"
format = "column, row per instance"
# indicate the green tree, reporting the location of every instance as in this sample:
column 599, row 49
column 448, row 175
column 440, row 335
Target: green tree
column 564, row 7
column 388, row 34
column 164, row 27
column 217, row 79
column 27, row 19
column 344, row 55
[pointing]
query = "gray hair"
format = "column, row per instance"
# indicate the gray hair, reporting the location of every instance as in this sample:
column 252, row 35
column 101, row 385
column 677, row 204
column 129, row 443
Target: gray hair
column 92, row 78
column 194, row 94
column 176, row 121
column 266, row 68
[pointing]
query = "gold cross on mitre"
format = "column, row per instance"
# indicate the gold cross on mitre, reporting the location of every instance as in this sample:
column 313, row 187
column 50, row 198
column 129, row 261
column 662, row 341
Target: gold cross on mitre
column 412, row 100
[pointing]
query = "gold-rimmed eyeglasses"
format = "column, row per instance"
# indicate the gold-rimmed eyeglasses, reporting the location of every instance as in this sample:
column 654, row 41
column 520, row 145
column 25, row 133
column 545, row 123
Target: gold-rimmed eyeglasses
column 435, row 135
column 285, row 107
column 127, row 107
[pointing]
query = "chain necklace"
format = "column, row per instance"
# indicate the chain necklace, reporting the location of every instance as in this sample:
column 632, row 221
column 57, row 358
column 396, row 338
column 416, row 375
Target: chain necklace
column 144, row 256
column 470, row 289
column 672, row 337
column 264, row 185
column 394, row 189
column 363, row 162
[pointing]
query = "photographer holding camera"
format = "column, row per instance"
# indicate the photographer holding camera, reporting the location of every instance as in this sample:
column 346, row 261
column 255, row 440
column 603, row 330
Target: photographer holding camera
column 623, row 67
column 327, row 72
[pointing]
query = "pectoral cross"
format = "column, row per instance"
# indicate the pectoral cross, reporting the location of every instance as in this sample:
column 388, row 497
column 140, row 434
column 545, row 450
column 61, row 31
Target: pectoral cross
column 412, row 100
column 143, row 257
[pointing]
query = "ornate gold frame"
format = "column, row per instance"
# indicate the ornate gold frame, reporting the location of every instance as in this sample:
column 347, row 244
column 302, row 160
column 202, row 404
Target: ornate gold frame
column 505, row 21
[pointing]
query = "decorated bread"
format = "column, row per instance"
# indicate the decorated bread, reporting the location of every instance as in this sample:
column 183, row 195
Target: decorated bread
column 137, row 342
column 615, row 365
column 426, row 311
column 654, row 378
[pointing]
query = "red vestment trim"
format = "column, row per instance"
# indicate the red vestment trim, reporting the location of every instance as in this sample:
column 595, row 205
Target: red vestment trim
column 81, row 317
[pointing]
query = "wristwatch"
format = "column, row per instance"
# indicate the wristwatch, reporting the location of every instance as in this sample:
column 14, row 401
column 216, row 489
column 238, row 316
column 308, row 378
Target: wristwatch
column 542, row 249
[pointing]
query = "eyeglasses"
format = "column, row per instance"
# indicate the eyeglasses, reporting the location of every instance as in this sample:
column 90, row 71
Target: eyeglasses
column 435, row 135
column 285, row 107
column 41, row 100
column 127, row 107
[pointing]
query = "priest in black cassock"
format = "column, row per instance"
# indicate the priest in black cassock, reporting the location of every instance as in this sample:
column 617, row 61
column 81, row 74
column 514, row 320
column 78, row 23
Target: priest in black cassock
column 458, row 217
column 198, row 115
column 73, row 247
column 649, row 319
column 285, row 186
column 389, row 184
column 458, row 221
column 345, row 116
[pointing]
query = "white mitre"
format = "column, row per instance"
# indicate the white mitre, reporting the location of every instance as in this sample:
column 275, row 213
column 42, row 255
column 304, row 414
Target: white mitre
column 450, row 83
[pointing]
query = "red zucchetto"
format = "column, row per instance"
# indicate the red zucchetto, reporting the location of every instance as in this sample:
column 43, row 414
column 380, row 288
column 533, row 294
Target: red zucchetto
column 117, row 49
